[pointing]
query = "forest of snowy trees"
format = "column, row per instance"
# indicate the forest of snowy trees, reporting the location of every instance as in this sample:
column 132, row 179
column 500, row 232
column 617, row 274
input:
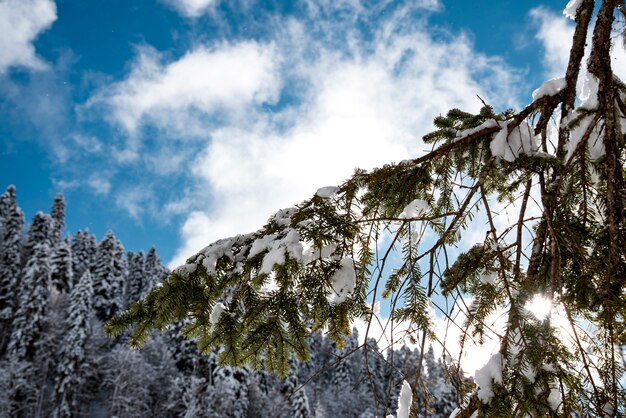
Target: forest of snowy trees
column 55, row 360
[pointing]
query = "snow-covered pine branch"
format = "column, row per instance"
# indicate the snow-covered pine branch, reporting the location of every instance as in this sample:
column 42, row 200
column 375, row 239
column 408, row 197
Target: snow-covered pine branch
column 546, row 184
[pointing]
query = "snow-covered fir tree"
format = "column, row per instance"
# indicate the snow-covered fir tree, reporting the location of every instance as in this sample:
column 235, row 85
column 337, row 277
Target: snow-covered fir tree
column 136, row 277
column 34, row 289
column 297, row 399
column 11, row 227
column 156, row 272
column 70, row 370
column 83, row 248
column 195, row 397
column 228, row 393
column 57, row 213
column 440, row 393
column 18, row 388
column 28, row 331
column 62, row 275
column 372, row 377
column 183, row 350
column 108, row 272
column 125, row 377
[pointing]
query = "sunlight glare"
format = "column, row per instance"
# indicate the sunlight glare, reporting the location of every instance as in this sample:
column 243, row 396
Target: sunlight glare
column 540, row 306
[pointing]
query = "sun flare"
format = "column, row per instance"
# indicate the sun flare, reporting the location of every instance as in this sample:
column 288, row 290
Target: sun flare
column 540, row 306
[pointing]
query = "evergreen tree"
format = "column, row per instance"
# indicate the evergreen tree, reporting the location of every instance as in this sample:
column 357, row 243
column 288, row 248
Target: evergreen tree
column 108, row 274
column 228, row 393
column 62, row 270
column 136, row 276
column 405, row 365
column 441, row 396
column 57, row 213
column 373, row 377
column 70, row 376
column 195, row 397
column 83, row 251
column 126, row 374
column 157, row 354
column 11, row 226
column 34, row 291
column 28, row 332
column 18, row 389
column 182, row 350
column 155, row 272
column 573, row 254
column 343, row 376
column 297, row 398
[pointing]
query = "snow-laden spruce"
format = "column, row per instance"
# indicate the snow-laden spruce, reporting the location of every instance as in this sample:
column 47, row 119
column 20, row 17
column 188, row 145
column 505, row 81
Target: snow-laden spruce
column 493, row 214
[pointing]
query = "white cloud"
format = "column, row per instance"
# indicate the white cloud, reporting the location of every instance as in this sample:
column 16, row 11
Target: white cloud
column 99, row 185
column 356, row 110
column 135, row 201
column 271, row 122
column 361, row 7
column 194, row 230
column 65, row 184
column 555, row 32
column 177, row 96
column 88, row 143
column 191, row 8
column 21, row 21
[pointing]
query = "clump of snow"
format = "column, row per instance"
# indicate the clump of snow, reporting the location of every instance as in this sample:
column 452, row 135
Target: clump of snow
column 555, row 399
column 509, row 146
column 571, row 8
column 276, row 248
column 415, row 209
column 217, row 312
column 283, row 216
column 489, row 123
column 404, row 401
column 327, row 192
column 455, row 413
column 595, row 144
column 219, row 249
column 550, row 88
column 488, row 277
column 589, row 92
column 186, row 269
column 313, row 253
column 485, row 377
column 343, row 281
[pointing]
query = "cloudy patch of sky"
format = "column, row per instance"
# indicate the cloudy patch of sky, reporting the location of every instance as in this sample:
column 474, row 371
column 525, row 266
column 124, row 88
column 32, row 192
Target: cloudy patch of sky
column 187, row 121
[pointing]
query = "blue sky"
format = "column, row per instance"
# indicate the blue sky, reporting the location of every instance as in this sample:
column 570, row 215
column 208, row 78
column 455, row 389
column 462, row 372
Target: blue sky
column 176, row 122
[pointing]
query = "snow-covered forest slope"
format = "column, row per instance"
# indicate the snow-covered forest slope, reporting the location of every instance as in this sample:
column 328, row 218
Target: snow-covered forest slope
column 55, row 361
